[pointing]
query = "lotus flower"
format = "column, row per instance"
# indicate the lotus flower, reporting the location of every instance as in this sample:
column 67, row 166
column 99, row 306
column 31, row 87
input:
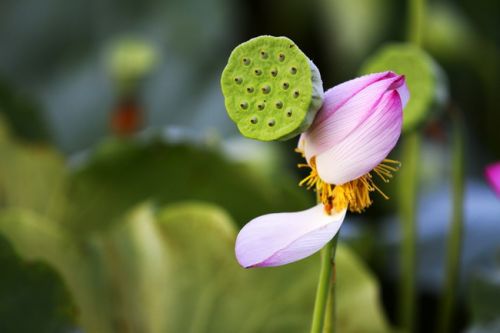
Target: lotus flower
column 492, row 173
column 347, row 144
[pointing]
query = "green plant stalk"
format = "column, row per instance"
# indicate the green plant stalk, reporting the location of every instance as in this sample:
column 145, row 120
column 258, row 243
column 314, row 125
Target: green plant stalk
column 416, row 19
column 325, row 289
column 448, row 302
column 408, row 208
column 330, row 323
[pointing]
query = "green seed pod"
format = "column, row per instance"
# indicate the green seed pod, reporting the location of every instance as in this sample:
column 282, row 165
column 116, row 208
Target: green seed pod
column 272, row 91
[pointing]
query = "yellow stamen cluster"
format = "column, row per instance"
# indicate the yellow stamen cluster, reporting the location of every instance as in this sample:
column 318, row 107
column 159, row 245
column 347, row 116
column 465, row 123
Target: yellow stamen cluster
column 355, row 194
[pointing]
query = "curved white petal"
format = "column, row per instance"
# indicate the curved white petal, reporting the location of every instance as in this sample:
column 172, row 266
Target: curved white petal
column 282, row 238
column 367, row 145
column 338, row 117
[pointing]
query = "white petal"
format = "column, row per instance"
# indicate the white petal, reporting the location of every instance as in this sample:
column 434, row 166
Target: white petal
column 282, row 238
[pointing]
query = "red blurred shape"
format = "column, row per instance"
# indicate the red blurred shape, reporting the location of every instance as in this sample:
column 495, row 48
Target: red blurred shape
column 127, row 117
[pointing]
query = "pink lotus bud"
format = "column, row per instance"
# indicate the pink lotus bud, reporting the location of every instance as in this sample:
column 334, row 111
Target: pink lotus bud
column 357, row 127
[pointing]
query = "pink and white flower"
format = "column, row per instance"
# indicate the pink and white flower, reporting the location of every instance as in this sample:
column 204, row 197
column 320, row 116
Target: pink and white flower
column 351, row 136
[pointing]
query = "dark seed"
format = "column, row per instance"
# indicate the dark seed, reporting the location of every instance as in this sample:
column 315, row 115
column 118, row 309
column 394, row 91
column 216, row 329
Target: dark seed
column 263, row 54
column 279, row 104
column 238, row 80
column 289, row 112
column 246, row 61
column 286, row 85
column 253, row 120
column 250, row 89
column 271, row 123
column 257, row 72
column 274, row 72
column 293, row 70
column 281, row 57
column 261, row 106
column 244, row 105
column 296, row 93
column 266, row 89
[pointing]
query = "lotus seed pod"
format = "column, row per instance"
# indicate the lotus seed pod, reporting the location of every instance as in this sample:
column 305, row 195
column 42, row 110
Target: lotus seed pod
column 272, row 91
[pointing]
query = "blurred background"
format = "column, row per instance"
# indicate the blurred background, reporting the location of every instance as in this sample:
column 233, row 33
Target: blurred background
column 123, row 182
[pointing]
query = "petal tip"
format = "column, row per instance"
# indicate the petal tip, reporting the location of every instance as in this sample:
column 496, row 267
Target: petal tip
column 398, row 82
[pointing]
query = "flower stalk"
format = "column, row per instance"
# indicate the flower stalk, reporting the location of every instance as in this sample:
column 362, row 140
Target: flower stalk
column 324, row 305
column 330, row 324
column 448, row 303
column 416, row 19
column 408, row 207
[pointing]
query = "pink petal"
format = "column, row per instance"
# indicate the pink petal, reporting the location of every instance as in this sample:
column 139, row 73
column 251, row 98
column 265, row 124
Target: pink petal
column 339, row 117
column 341, row 93
column 492, row 173
column 282, row 238
column 367, row 145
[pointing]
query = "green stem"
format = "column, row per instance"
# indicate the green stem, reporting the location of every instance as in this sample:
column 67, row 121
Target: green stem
column 408, row 209
column 448, row 303
column 416, row 18
column 325, row 289
column 329, row 325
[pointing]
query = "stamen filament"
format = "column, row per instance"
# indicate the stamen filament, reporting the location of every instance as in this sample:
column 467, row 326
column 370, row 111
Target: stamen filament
column 354, row 195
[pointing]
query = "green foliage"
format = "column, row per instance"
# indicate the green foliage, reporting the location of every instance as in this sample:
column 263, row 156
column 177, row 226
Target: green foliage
column 31, row 176
column 33, row 297
column 484, row 298
column 174, row 270
column 124, row 173
column 154, row 270
column 449, row 35
column 351, row 29
column 220, row 296
column 424, row 78
column 36, row 239
column 358, row 296
column 272, row 90
column 22, row 113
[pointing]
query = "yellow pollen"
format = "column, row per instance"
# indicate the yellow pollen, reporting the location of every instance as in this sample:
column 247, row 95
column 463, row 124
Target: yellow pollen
column 354, row 195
